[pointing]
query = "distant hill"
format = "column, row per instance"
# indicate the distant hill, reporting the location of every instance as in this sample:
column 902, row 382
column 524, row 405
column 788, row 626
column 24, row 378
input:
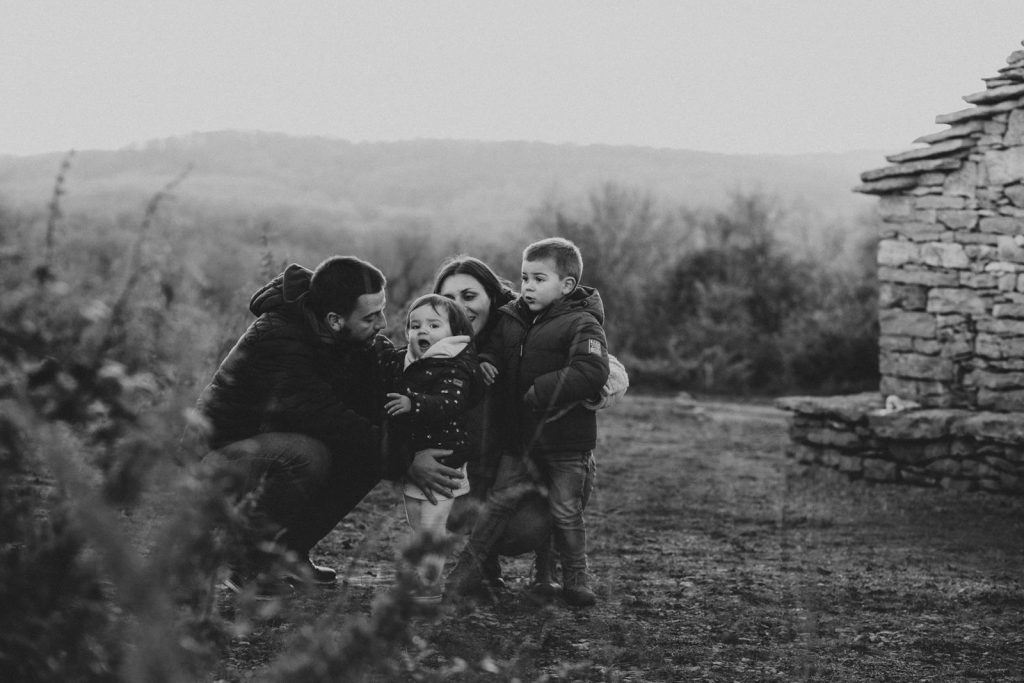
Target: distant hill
column 485, row 187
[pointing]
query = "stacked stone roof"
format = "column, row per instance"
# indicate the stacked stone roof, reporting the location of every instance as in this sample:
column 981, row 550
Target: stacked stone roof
column 969, row 130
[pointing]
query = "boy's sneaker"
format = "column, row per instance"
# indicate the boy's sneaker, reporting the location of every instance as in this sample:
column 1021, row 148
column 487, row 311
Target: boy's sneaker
column 318, row 574
column 492, row 573
column 576, row 591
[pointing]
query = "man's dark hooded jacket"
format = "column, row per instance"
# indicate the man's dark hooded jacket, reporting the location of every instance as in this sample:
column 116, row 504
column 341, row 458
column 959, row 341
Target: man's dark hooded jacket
column 286, row 374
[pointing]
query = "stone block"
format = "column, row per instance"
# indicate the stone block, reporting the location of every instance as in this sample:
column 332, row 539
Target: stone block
column 1001, row 225
column 982, row 238
column 942, row 201
column 957, row 484
column 998, row 347
column 917, row 453
column 954, row 300
column 1007, row 428
column 919, row 231
column 1008, row 399
column 896, row 207
column 997, row 381
column 1015, row 193
column 898, row 252
column 851, row 464
column 850, row 408
column 927, row 347
column 897, row 343
column 929, row 278
column 842, row 439
column 1002, row 327
column 949, row 467
column 1005, row 166
column 1014, row 134
column 906, row 297
column 877, row 469
column 907, row 323
column 944, row 255
column 914, row 425
column 917, row 477
column 957, row 220
column 1008, row 249
column 962, row 182
column 916, row 366
column 1013, row 311
column 979, row 280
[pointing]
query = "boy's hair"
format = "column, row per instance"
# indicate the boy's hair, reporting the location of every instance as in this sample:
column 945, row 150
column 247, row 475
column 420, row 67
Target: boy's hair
column 339, row 281
column 566, row 255
column 457, row 319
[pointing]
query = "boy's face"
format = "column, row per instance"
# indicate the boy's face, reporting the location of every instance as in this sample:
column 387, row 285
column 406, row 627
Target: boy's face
column 426, row 326
column 541, row 285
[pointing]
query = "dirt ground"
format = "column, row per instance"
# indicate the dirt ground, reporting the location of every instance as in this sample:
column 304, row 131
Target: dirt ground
column 714, row 560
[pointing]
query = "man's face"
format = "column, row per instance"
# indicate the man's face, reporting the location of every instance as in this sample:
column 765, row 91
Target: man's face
column 365, row 320
column 541, row 285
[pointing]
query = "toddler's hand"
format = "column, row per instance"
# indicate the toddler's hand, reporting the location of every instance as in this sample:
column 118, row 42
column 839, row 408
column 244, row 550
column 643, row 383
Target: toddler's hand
column 397, row 404
column 489, row 372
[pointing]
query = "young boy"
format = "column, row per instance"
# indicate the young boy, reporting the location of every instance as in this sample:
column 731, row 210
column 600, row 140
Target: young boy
column 549, row 355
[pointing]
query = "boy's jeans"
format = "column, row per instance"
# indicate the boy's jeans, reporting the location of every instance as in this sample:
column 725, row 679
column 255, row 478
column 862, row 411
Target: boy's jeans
column 304, row 491
column 569, row 477
column 566, row 474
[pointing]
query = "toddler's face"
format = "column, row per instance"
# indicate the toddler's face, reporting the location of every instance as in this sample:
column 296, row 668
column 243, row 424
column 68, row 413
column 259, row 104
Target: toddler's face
column 541, row 285
column 426, row 327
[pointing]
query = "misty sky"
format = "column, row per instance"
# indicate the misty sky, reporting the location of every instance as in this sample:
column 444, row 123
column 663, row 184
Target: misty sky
column 733, row 76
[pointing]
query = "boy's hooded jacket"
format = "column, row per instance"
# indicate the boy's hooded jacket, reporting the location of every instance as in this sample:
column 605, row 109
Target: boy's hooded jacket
column 546, row 363
column 285, row 374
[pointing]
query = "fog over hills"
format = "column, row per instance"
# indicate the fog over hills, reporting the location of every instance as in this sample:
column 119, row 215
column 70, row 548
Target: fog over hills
column 458, row 186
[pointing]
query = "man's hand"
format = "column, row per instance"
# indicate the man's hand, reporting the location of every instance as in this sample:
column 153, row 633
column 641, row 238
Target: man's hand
column 431, row 476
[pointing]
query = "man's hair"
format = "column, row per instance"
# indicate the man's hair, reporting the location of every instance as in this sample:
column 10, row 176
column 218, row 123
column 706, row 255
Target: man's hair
column 339, row 281
column 457, row 319
column 565, row 254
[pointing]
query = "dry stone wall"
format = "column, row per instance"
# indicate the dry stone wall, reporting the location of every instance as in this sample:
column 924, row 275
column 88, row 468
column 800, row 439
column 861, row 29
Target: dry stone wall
column 951, row 256
column 950, row 410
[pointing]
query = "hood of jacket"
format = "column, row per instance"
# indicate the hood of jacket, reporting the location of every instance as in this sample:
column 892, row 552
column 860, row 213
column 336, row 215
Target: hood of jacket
column 290, row 288
column 583, row 298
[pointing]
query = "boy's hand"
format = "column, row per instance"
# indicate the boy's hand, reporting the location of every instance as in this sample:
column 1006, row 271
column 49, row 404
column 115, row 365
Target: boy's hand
column 489, row 372
column 397, row 404
column 530, row 399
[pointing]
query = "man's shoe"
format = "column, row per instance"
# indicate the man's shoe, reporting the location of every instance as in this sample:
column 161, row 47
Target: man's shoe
column 261, row 587
column 576, row 591
column 466, row 581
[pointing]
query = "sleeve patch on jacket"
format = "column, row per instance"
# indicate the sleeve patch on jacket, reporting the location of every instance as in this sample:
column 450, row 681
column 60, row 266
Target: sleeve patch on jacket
column 595, row 347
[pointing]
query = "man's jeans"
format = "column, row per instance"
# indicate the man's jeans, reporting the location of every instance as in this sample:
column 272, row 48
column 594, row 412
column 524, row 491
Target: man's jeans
column 303, row 490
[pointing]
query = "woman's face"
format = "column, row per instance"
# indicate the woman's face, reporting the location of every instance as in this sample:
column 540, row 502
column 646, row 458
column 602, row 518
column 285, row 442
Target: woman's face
column 467, row 290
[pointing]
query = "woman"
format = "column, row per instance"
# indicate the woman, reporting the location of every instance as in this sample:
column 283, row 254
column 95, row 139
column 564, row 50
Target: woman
column 472, row 283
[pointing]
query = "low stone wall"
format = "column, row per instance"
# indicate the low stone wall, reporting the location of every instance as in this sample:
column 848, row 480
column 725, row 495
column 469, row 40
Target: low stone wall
column 952, row 448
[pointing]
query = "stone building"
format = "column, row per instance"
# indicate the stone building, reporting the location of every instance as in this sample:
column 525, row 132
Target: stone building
column 950, row 410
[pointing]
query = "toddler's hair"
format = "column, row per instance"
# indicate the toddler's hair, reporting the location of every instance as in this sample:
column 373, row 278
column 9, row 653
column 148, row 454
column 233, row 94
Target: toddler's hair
column 457, row 319
column 565, row 254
